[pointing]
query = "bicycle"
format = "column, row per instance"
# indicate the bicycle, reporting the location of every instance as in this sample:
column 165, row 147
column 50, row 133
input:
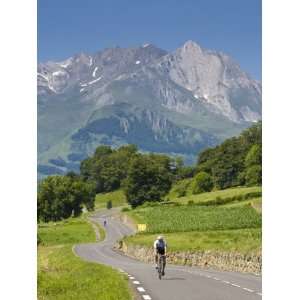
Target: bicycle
column 161, row 264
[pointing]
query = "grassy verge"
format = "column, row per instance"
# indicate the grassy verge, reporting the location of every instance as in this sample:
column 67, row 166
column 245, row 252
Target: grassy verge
column 64, row 276
column 238, row 240
column 117, row 198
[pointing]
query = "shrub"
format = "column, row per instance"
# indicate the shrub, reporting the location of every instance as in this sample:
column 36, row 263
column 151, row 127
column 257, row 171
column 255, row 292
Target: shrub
column 202, row 183
column 109, row 204
column 124, row 209
column 191, row 202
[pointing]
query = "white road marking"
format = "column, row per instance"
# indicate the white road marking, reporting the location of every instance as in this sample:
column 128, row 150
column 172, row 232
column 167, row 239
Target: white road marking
column 141, row 289
column 226, row 281
column 146, row 297
column 131, row 277
column 215, row 278
column 259, row 294
column 248, row 290
column 136, row 282
column 233, row 284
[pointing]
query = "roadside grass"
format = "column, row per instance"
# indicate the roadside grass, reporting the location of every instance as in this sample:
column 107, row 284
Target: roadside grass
column 69, row 231
column 162, row 219
column 210, row 196
column 64, row 276
column 117, row 198
column 237, row 240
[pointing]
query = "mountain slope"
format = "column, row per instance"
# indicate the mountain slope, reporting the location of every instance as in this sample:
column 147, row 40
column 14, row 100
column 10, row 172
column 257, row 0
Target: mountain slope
column 177, row 103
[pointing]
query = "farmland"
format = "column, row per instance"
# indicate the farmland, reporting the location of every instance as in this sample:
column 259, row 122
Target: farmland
column 204, row 224
column 196, row 218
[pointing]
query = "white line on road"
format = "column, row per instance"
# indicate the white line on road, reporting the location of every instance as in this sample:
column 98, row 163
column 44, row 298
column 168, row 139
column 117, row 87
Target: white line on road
column 146, row 297
column 141, row 289
column 131, row 277
column 248, row 290
column 233, row 284
column 259, row 294
column 215, row 278
column 226, row 281
column 136, row 282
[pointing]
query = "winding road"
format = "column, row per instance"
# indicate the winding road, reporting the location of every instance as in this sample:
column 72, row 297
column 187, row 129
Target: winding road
column 179, row 283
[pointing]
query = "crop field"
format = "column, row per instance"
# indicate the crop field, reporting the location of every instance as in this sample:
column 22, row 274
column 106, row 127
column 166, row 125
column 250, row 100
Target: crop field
column 163, row 219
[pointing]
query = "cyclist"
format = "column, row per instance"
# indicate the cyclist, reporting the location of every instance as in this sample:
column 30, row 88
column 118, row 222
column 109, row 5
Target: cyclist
column 160, row 247
column 104, row 223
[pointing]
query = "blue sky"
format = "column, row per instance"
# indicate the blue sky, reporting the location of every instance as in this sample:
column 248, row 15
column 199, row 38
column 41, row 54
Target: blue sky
column 67, row 27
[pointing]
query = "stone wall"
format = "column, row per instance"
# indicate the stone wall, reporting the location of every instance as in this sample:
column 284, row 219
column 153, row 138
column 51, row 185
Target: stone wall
column 226, row 261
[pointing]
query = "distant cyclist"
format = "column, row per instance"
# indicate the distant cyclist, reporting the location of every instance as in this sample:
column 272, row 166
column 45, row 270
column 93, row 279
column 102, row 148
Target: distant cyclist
column 160, row 247
column 104, row 223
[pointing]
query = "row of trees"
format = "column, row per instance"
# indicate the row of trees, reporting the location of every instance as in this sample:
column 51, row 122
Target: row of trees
column 149, row 177
column 237, row 161
column 63, row 196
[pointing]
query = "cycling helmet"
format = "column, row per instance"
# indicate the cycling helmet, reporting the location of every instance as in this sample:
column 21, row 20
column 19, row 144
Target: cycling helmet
column 160, row 237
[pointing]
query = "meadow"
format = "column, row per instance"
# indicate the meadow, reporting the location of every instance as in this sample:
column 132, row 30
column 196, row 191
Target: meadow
column 64, row 276
column 210, row 196
column 117, row 198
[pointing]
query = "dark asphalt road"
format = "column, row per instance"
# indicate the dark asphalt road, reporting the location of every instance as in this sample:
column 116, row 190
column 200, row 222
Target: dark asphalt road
column 180, row 282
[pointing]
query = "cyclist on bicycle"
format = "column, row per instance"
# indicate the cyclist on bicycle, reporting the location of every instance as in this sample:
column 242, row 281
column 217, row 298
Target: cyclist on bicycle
column 160, row 248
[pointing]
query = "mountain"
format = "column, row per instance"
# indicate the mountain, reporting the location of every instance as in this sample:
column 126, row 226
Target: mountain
column 177, row 103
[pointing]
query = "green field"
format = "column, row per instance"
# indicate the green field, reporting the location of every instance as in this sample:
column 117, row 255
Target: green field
column 64, row 276
column 237, row 240
column 204, row 197
column 196, row 218
column 233, row 226
column 117, row 197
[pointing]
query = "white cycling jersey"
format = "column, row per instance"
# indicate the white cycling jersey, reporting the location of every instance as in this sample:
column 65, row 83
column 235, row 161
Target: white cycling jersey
column 157, row 242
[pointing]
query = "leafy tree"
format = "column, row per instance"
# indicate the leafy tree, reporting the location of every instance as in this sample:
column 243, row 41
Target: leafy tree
column 227, row 163
column 253, row 175
column 254, row 156
column 202, row 183
column 60, row 197
column 253, row 160
column 107, row 167
column 149, row 178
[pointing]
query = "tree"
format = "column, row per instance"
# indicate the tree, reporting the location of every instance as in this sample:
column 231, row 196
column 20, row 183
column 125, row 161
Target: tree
column 60, row 197
column 108, row 167
column 226, row 163
column 253, row 160
column 149, row 178
column 253, row 175
column 202, row 183
column 254, row 156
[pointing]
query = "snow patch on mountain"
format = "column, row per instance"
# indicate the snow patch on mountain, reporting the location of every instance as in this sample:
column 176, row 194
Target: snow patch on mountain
column 94, row 72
